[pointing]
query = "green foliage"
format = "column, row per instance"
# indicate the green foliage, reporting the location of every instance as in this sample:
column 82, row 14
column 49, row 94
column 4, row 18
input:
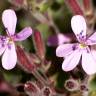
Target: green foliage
column 92, row 83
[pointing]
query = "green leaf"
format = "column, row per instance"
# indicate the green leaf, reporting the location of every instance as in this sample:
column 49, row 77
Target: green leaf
column 92, row 83
column 13, row 76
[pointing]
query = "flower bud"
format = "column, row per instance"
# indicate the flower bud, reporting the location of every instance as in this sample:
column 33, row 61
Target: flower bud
column 18, row 3
column 71, row 85
column 74, row 6
column 23, row 60
column 39, row 44
column 31, row 89
column 83, row 87
column 46, row 91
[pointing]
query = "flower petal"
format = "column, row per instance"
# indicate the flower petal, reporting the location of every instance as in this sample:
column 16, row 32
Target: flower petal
column 65, row 49
column 88, row 62
column 9, row 20
column 9, row 57
column 71, row 61
column 24, row 34
column 92, row 39
column 3, row 41
column 78, row 25
column 2, row 49
column 93, row 52
column 58, row 39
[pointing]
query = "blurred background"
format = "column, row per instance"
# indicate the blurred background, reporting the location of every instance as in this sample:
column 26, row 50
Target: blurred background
column 50, row 22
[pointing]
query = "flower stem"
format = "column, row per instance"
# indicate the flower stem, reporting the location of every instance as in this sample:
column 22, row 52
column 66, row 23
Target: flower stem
column 74, row 6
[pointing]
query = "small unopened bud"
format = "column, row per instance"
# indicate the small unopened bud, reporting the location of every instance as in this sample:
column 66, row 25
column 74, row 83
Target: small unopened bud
column 23, row 60
column 39, row 44
column 71, row 85
column 30, row 86
column 83, row 87
column 31, row 89
column 46, row 91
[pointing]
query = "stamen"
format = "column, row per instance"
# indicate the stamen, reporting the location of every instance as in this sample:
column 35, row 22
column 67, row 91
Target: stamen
column 82, row 45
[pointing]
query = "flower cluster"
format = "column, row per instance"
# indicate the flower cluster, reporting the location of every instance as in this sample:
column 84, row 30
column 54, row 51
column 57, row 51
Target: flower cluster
column 7, row 43
column 84, row 48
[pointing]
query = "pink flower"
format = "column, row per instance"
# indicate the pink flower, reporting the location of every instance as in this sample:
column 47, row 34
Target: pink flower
column 7, row 45
column 73, row 52
column 59, row 39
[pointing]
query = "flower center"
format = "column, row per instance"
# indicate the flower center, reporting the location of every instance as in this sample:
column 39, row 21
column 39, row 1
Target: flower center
column 82, row 45
column 10, row 40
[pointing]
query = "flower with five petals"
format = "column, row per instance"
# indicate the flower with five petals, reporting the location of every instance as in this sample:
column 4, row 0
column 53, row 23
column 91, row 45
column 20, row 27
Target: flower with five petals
column 7, row 43
column 83, row 49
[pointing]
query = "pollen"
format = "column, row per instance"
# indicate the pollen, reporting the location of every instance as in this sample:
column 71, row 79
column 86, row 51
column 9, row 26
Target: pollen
column 10, row 40
column 82, row 45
